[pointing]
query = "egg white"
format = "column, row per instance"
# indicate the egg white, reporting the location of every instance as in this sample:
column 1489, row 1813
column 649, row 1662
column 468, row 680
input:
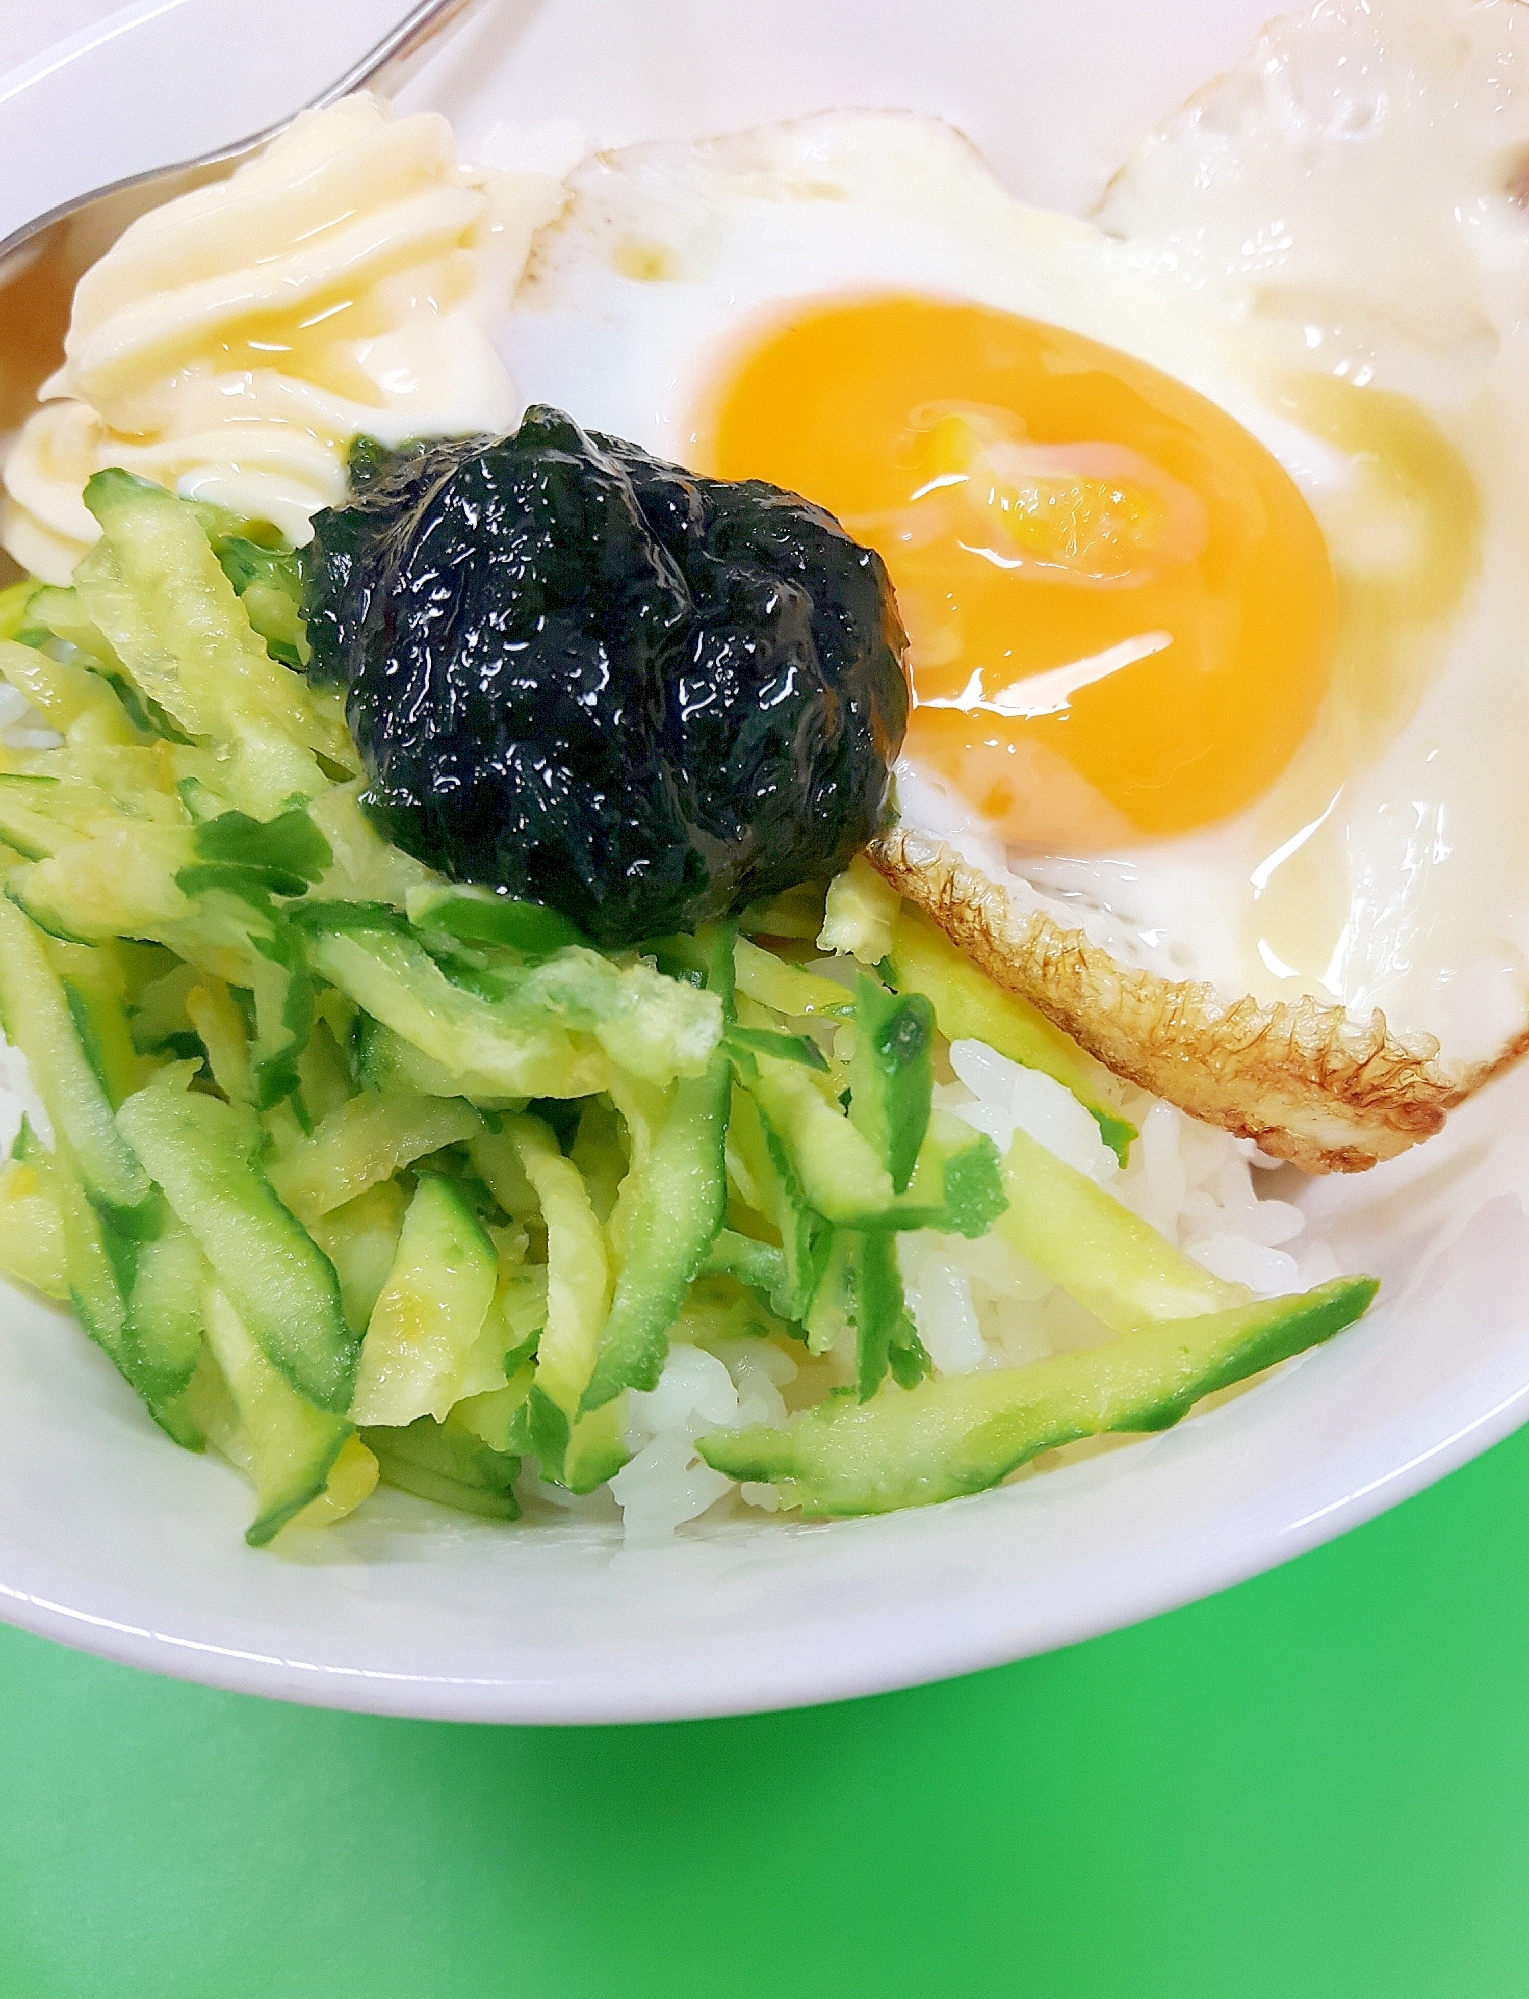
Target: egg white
column 1330, row 227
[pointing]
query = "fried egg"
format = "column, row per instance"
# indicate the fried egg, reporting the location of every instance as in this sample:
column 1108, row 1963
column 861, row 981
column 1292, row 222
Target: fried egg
column 1207, row 520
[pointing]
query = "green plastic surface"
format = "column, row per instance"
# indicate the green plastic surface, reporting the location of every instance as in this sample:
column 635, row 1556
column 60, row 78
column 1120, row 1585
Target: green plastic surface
column 1313, row 1787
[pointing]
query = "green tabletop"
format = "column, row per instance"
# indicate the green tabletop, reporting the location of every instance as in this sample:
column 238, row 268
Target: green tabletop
column 1317, row 1784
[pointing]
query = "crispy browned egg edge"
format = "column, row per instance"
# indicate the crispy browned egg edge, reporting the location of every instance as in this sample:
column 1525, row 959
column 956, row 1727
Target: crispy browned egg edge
column 1303, row 1079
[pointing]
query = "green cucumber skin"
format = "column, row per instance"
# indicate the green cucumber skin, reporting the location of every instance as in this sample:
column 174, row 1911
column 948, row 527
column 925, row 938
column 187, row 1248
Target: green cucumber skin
column 884, row 1330
column 680, row 1214
column 758, row 1264
column 425, row 1483
column 483, row 916
column 39, row 1019
column 290, row 845
column 892, row 1074
column 156, row 590
column 804, row 1235
column 279, row 1282
column 447, row 1452
column 678, row 1218
column 237, row 898
column 972, row 1196
column 961, row 1434
column 162, row 1338
column 400, row 985
column 316, row 1467
column 293, row 1445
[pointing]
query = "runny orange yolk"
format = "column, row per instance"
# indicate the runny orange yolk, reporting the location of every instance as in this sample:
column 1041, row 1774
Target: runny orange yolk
column 1120, row 610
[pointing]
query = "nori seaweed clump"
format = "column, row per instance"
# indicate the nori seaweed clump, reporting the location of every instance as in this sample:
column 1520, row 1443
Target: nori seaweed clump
column 601, row 682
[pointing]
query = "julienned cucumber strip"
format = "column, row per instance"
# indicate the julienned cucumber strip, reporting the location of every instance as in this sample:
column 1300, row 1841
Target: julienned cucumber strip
column 743, row 1044
column 115, row 880
column 69, row 697
column 672, row 1199
column 387, row 1063
column 966, row 1432
column 289, row 850
column 234, row 904
column 840, row 1172
column 969, row 1006
column 891, row 1076
column 786, row 988
column 578, row 1456
column 137, row 880
column 291, row 1445
column 448, row 1463
column 39, row 1020
column 31, row 1218
column 400, row 984
column 429, row 1314
column 154, row 587
column 484, row 916
column 360, row 1238
column 265, row 573
column 577, row 1450
column 759, row 1161
column 99, row 1268
column 15, row 606
column 281, row 1285
column 679, row 1206
column 162, row 1339
column 957, row 1186
column 31, row 831
column 506, row 1025
column 759, row 1264
column 1099, row 1252
column 95, row 990
column 105, row 1271
column 658, row 1028
column 363, row 1142
column 218, row 1021
column 861, row 1289
column 365, row 867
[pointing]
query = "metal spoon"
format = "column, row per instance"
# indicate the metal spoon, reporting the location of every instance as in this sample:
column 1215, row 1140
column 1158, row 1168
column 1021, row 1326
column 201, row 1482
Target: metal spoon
column 140, row 192
column 40, row 262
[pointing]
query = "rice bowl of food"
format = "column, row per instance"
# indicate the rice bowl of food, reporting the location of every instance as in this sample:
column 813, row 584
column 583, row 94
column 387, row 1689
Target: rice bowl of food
column 763, row 926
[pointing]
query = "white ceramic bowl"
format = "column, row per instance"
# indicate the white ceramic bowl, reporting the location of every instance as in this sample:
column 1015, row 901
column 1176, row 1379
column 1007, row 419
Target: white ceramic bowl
column 111, row 1540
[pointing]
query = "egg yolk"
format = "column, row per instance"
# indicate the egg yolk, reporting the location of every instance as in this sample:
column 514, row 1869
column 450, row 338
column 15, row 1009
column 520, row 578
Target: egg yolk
column 1120, row 610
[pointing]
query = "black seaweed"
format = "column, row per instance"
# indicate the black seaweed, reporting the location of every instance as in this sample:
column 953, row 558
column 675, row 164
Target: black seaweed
column 599, row 681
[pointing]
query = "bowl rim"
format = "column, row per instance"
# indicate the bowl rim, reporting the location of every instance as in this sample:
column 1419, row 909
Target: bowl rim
column 873, row 1652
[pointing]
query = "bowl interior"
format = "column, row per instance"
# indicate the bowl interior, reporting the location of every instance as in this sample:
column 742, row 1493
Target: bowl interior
column 111, row 1539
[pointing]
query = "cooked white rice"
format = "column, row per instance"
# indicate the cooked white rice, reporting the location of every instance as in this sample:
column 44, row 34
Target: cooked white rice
column 976, row 1304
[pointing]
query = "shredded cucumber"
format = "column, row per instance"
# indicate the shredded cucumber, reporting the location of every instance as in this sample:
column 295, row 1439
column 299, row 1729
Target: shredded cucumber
column 292, row 1445
column 470, row 1038
column 40, row 1020
column 367, row 1140
column 968, row 1005
column 203, row 1153
column 32, row 1218
column 450, row 1463
column 578, row 1266
column 944, row 1438
column 428, row 1316
column 336, row 1142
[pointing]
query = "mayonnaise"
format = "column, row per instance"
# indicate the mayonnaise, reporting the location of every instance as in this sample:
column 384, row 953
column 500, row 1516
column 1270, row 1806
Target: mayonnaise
column 233, row 342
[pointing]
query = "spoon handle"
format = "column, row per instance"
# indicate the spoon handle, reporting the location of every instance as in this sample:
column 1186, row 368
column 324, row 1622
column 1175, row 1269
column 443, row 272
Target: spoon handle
column 403, row 41
column 138, row 193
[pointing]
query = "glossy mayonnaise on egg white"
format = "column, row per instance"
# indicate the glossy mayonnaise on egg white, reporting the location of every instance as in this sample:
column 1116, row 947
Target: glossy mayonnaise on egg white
column 233, row 342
